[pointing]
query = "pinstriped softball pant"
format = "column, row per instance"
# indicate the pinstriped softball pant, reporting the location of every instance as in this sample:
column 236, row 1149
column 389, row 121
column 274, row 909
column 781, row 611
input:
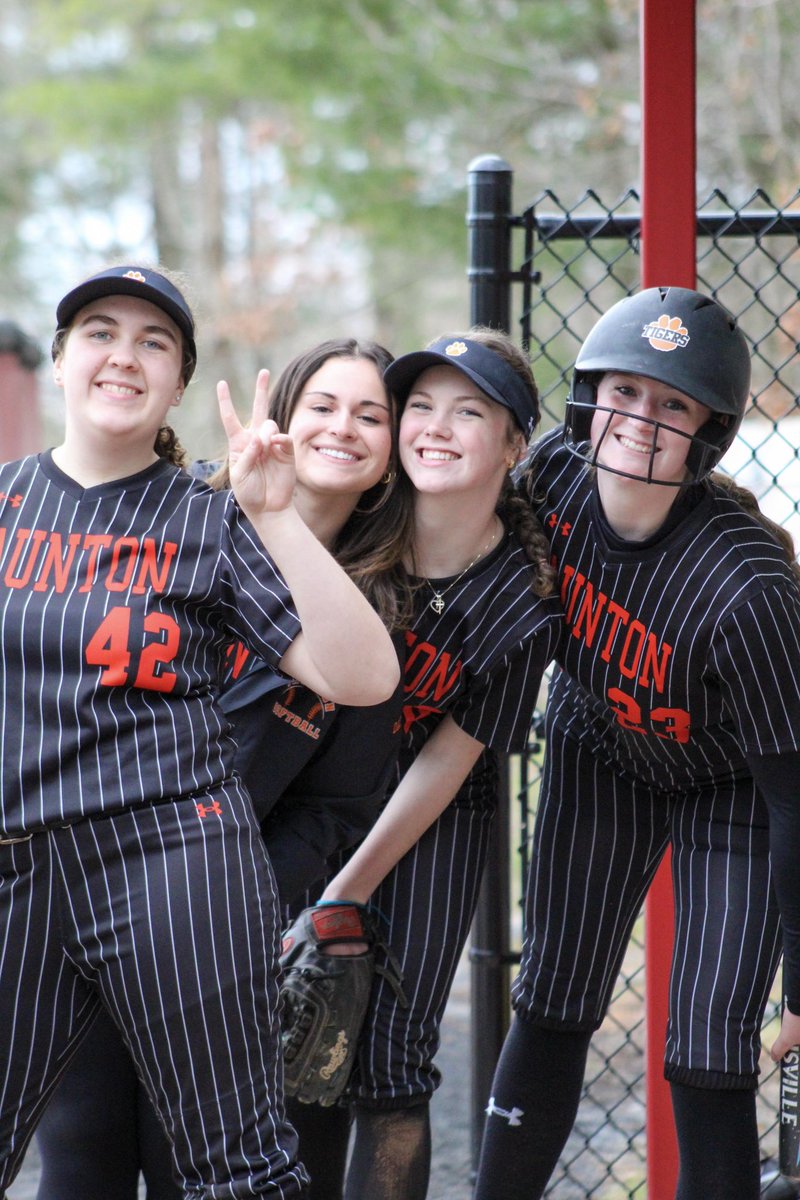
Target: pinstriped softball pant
column 598, row 839
column 429, row 900
column 166, row 916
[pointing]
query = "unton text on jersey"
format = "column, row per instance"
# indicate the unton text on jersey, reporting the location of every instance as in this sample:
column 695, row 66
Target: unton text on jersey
column 44, row 560
column 590, row 614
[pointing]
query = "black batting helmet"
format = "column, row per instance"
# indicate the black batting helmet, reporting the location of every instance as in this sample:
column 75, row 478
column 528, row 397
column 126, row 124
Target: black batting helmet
column 680, row 338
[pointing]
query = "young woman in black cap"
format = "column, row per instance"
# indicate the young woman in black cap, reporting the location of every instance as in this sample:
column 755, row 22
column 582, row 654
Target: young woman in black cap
column 484, row 627
column 133, row 871
column 672, row 721
column 317, row 772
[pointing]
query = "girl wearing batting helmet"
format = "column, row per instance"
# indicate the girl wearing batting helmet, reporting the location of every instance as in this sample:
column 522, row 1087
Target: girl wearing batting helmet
column 133, row 874
column 295, row 750
column 484, row 627
column 673, row 721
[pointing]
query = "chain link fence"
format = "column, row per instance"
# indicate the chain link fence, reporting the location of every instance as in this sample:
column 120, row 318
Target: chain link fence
column 574, row 264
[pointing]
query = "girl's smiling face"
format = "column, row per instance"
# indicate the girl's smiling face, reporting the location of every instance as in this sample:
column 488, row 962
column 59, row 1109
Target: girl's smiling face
column 453, row 437
column 341, row 427
column 121, row 369
column 647, row 436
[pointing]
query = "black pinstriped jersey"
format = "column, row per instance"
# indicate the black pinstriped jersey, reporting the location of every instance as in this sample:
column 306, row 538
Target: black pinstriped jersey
column 481, row 660
column 117, row 606
column 681, row 656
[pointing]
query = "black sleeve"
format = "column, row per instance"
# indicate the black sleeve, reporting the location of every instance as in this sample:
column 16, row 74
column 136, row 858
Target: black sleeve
column 276, row 737
column 303, row 833
column 334, row 800
column 777, row 778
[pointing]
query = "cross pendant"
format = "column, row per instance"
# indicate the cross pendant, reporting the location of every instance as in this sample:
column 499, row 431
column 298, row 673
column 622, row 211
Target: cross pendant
column 437, row 604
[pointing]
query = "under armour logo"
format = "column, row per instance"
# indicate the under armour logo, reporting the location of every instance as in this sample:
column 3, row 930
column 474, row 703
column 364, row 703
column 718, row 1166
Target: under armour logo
column 204, row 809
column 513, row 1117
column 563, row 526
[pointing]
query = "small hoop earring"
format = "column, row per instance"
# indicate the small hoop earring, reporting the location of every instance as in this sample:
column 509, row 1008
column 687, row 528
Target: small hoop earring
column 387, row 479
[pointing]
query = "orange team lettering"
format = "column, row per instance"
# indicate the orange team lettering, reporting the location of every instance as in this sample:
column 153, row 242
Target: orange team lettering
column 416, row 712
column 240, row 654
column 591, row 615
column 429, row 673
column 42, row 560
column 296, row 721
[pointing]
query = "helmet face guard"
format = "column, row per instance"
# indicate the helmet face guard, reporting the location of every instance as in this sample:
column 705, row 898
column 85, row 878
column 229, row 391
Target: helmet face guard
column 701, row 457
column 680, row 338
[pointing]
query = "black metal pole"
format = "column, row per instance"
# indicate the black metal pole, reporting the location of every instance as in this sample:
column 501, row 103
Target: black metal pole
column 489, row 966
column 489, row 223
column 489, row 185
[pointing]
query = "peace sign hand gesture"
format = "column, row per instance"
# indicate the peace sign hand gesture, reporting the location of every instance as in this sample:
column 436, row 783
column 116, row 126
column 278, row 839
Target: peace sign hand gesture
column 333, row 613
column 261, row 459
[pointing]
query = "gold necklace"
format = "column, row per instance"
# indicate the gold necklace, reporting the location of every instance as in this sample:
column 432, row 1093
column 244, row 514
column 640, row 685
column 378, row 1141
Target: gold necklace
column 437, row 603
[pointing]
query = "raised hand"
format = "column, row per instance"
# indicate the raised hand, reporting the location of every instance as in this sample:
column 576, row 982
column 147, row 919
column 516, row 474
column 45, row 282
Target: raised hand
column 261, row 458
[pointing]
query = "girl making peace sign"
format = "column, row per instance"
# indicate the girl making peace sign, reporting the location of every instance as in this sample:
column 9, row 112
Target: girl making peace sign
column 132, row 871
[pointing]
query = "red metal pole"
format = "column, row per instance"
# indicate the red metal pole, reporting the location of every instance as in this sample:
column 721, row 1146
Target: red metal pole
column 669, row 256
column 668, row 156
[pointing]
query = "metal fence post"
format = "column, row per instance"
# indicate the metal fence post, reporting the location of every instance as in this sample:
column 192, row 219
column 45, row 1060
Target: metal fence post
column 489, row 962
column 488, row 221
column 489, row 183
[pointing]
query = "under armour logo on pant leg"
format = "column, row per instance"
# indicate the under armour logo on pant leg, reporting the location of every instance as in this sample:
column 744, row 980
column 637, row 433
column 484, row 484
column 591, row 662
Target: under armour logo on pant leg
column 513, row 1117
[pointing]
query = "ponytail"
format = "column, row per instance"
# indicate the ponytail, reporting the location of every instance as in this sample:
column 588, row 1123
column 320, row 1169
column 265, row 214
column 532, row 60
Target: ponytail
column 167, row 446
column 746, row 500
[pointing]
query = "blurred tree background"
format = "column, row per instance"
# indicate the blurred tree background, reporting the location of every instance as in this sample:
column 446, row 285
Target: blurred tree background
column 304, row 163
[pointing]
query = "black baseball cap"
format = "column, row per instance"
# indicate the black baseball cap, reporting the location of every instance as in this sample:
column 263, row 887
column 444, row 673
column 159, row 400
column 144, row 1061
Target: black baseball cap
column 131, row 281
column 492, row 373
